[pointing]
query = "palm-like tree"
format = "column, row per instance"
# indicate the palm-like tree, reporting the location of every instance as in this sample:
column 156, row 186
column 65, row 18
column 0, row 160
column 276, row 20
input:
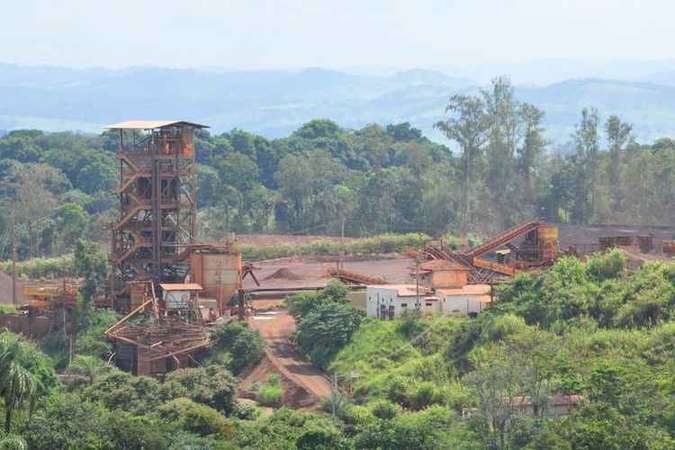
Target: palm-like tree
column 12, row 442
column 17, row 384
column 89, row 366
column 17, row 388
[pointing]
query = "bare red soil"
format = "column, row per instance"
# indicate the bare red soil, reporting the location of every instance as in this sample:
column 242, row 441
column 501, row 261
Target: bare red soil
column 304, row 384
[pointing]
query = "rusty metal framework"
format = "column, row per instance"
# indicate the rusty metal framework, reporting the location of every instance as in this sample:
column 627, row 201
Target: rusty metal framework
column 168, row 342
column 538, row 248
column 157, row 194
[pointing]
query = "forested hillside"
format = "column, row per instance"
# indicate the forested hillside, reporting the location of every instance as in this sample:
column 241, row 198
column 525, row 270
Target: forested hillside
column 58, row 187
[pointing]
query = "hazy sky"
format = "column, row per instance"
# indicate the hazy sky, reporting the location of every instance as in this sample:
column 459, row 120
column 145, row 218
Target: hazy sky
column 332, row 33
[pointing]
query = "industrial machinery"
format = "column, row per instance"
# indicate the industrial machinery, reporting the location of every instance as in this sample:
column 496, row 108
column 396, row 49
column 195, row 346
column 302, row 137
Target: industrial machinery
column 169, row 285
column 526, row 246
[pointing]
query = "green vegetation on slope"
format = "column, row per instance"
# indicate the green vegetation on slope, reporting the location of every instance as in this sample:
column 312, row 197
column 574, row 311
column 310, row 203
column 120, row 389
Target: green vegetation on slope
column 596, row 330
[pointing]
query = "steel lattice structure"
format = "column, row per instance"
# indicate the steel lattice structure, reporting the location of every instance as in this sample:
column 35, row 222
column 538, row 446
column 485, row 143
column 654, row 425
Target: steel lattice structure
column 158, row 209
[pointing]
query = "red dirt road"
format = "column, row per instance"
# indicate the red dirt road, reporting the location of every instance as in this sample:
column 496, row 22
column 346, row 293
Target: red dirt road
column 276, row 327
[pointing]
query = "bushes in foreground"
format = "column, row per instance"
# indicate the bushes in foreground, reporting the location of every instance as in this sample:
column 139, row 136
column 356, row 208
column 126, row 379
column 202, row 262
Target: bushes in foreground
column 237, row 346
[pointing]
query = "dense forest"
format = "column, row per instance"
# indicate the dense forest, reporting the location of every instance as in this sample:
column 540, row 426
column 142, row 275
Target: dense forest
column 496, row 169
column 596, row 331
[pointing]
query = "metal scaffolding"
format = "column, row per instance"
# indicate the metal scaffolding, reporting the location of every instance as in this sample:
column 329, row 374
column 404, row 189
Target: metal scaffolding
column 158, row 209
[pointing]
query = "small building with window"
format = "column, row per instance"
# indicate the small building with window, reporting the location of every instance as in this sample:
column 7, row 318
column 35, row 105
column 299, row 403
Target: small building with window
column 467, row 300
column 442, row 289
column 390, row 301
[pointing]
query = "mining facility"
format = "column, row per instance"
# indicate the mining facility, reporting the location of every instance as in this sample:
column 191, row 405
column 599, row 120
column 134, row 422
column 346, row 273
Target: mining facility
column 170, row 287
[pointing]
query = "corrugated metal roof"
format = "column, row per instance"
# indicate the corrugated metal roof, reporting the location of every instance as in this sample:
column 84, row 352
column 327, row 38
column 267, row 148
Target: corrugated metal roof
column 181, row 287
column 469, row 289
column 150, row 124
column 441, row 264
column 403, row 290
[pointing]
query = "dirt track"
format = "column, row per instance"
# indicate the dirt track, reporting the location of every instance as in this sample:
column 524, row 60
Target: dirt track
column 276, row 327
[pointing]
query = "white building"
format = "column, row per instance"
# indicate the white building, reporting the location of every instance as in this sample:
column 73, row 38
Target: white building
column 390, row 301
column 465, row 301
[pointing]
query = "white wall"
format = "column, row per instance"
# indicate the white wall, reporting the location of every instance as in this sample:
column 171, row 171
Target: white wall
column 376, row 296
column 462, row 305
column 388, row 296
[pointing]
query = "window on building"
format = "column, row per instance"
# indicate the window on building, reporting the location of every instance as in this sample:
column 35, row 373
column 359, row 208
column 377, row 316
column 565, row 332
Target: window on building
column 404, row 305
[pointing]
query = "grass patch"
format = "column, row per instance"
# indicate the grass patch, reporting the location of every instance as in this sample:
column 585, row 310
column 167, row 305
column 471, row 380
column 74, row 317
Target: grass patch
column 385, row 359
column 7, row 309
column 270, row 393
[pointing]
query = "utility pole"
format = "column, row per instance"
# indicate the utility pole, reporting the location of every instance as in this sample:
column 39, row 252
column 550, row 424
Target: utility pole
column 14, row 302
column 342, row 244
column 417, row 281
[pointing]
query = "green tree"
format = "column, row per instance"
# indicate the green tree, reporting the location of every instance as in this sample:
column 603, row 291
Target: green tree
column 244, row 345
column 238, row 170
column 71, row 220
column 195, row 417
column 530, row 151
column 213, row 386
column 618, row 135
column 325, row 330
column 467, row 125
column 502, row 112
column 25, row 375
column 92, row 264
column 586, row 140
column 88, row 366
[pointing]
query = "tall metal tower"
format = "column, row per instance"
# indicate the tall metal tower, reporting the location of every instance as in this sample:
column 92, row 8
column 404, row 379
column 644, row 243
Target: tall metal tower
column 158, row 209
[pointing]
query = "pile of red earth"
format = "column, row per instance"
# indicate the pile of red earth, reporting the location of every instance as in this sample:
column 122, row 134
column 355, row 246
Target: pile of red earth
column 283, row 274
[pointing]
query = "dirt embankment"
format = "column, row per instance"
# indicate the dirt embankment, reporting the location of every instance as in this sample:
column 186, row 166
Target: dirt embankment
column 304, row 385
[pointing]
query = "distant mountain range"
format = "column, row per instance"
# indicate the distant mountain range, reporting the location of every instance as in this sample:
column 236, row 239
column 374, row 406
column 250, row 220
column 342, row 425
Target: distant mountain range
column 275, row 102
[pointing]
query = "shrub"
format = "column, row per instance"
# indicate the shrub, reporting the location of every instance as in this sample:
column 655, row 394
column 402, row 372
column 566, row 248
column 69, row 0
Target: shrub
column 213, row 386
column 245, row 411
column 7, row 309
column 425, row 394
column 121, row 390
column 196, row 418
column 244, row 345
column 384, row 409
column 269, row 395
column 606, row 265
column 285, row 428
column 69, row 422
column 319, row 437
column 300, row 305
